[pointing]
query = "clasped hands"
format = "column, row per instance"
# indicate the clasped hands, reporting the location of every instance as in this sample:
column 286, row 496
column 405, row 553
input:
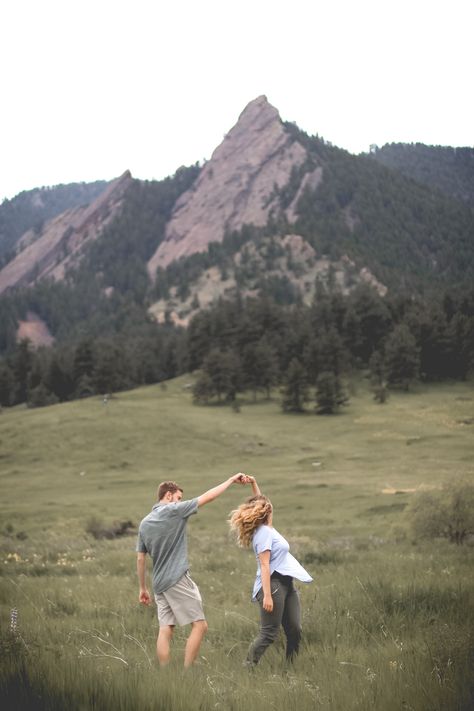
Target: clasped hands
column 244, row 479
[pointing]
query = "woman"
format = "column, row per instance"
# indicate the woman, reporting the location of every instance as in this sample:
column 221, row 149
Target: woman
column 274, row 589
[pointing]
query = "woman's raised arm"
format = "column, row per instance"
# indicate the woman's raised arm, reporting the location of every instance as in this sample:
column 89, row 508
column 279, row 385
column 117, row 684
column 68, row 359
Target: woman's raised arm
column 255, row 487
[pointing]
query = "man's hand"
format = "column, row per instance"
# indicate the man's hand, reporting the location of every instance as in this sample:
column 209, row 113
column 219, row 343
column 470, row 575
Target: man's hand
column 144, row 597
column 239, row 478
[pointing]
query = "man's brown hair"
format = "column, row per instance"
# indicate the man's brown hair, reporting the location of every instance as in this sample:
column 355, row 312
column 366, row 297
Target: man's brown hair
column 166, row 486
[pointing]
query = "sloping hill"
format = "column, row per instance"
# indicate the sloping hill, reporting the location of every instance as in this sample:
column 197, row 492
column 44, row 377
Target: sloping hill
column 32, row 208
column 49, row 252
column 450, row 170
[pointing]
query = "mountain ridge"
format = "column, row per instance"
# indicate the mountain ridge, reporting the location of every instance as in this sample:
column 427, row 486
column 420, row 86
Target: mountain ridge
column 155, row 243
column 449, row 170
column 49, row 253
column 30, row 209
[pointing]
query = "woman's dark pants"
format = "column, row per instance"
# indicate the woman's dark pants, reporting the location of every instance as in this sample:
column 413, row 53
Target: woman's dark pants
column 286, row 612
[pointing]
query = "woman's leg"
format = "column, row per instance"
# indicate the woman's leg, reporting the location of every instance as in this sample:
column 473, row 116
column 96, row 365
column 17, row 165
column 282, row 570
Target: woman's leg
column 269, row 622
column 291, row 621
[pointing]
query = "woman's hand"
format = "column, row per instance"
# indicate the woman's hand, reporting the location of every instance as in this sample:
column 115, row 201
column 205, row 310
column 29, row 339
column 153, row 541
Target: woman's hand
column 267, row 603
column 251, row 480
column 242, row 478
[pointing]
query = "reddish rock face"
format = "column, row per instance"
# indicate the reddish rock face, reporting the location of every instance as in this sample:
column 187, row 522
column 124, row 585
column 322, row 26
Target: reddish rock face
column 62, row 238
column 235, row 187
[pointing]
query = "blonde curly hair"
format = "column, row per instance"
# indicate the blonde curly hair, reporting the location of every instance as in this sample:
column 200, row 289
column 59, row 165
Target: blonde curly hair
column 245, row 520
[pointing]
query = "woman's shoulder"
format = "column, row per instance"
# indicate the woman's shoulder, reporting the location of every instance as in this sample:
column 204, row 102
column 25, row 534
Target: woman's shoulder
column 262, row 531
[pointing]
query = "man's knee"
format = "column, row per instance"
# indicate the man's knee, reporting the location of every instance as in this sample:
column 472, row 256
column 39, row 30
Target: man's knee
column 200, row 625
column 166, row 631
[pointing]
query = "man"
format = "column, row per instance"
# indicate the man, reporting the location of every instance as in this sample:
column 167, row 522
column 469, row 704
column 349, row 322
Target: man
column 162, row 534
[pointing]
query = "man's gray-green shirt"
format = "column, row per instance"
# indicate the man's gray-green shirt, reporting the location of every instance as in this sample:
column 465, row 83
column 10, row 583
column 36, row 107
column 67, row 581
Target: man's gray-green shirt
column 162, row 534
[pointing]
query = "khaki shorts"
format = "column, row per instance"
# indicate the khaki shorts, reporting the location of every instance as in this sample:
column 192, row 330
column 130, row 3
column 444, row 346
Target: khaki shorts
column 180, row 604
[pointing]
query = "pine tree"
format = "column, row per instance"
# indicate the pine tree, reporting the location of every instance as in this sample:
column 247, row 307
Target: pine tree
column 366, row 322
column 260, row 367
column 295, row 389
column 40, row 396
column 329, row 393
column 203, row 389
column 224, row 370
column 111, row 369
column 83, row 367
column 21, row 363
column 461, row 337
column 58, row 378
column 7, row 385
column 402, row 357
column 378, row 377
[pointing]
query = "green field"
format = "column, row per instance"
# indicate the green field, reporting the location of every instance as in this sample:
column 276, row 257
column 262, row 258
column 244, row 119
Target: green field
column 387, row 624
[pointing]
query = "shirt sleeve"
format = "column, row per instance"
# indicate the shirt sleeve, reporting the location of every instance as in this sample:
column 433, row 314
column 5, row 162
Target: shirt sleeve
column 141, row 547
column 262, row 540
column 184, row 509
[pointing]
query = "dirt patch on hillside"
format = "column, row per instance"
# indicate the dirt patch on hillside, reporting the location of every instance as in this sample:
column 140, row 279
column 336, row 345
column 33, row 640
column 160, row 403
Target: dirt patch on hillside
column 35, row 330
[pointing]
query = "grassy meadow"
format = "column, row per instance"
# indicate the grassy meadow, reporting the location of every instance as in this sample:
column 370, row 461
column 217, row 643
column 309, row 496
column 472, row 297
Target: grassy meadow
column 388, row 623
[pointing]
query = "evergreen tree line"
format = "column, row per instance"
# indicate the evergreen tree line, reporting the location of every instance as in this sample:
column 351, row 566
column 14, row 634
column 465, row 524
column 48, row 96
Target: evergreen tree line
column 257, row 345
column 311, row 352
column 91, row 366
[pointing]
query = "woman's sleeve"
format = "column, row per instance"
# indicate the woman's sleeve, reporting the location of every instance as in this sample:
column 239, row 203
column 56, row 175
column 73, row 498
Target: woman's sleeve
column 262, row 540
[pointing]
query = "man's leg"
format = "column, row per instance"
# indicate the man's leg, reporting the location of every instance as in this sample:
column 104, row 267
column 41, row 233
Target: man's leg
column 194, row 642
column 163, row 644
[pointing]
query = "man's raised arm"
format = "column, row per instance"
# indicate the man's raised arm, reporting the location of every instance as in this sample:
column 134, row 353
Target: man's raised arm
column 216, row 491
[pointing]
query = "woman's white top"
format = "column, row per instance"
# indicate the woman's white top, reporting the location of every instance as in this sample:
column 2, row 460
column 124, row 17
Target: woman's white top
column 267, row 538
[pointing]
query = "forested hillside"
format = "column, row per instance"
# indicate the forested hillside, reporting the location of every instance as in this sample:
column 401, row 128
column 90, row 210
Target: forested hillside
column 106, row 292
column 32, row 208
column 450, row 170
column 405, row 233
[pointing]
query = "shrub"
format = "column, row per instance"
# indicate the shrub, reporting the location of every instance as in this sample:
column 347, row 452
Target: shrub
column 447, row 513
column 99, row 530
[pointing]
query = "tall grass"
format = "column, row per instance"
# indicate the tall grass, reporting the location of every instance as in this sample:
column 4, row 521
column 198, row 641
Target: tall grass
column 387, row 623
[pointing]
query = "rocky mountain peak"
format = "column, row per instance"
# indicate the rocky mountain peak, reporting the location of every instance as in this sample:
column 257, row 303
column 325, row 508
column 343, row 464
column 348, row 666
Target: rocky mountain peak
column 235, row 187
column 259, row 115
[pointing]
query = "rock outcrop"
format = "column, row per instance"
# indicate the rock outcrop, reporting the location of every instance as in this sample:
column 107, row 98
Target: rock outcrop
column 62, row 238
column 35, row 330
column 289, row 258
column 235, row 187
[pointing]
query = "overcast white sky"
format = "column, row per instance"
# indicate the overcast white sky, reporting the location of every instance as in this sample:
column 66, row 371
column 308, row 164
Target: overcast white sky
column 93, row 87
